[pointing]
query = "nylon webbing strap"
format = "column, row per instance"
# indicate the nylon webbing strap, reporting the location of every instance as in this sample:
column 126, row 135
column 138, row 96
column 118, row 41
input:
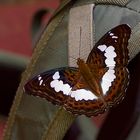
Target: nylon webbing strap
column 80, row 33
column 134, row 42
column 116, row 2
column 113, row 2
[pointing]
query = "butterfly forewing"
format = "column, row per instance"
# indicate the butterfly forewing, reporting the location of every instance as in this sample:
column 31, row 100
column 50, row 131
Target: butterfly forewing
column 53, row 85
column 116, row 42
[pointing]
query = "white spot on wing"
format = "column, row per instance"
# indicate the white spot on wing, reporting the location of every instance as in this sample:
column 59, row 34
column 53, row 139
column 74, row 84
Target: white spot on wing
column 39, row 77
column 111, row 34
column 114, row 37
column 83, row 94
column 107, row 79
column 110, row 55
column 109, row 62
column 58, row 86
column 56, row 76
column 102, row 47
column 40, row 82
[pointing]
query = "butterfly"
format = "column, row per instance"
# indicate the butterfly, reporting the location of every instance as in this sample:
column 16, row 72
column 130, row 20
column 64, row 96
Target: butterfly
column 95, row 85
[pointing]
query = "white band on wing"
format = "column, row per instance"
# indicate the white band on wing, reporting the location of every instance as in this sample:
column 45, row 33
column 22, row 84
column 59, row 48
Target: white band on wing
column 109, row 76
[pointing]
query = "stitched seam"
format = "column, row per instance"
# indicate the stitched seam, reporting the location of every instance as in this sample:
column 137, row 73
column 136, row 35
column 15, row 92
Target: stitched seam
column 57, row 117
column 133, row 9
column 49, row 128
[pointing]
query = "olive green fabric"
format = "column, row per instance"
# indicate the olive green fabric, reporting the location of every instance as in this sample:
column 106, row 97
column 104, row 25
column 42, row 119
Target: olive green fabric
column 36, row 119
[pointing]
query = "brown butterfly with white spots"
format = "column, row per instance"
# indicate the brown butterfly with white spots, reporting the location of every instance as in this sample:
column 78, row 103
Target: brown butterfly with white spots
column 96, row 85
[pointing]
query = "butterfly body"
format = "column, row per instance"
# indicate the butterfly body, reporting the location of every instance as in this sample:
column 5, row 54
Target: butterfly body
column 95, row 85
column 90, row 77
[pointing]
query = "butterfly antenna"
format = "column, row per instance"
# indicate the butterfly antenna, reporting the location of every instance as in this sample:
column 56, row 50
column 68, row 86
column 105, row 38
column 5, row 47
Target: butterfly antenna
column 80, row 40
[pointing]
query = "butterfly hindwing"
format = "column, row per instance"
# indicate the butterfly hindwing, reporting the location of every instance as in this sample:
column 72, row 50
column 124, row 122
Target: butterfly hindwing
column 116, row 92
column 84, row 106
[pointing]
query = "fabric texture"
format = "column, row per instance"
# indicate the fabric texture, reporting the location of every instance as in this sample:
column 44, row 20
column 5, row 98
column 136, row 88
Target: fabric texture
column 34, row 118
